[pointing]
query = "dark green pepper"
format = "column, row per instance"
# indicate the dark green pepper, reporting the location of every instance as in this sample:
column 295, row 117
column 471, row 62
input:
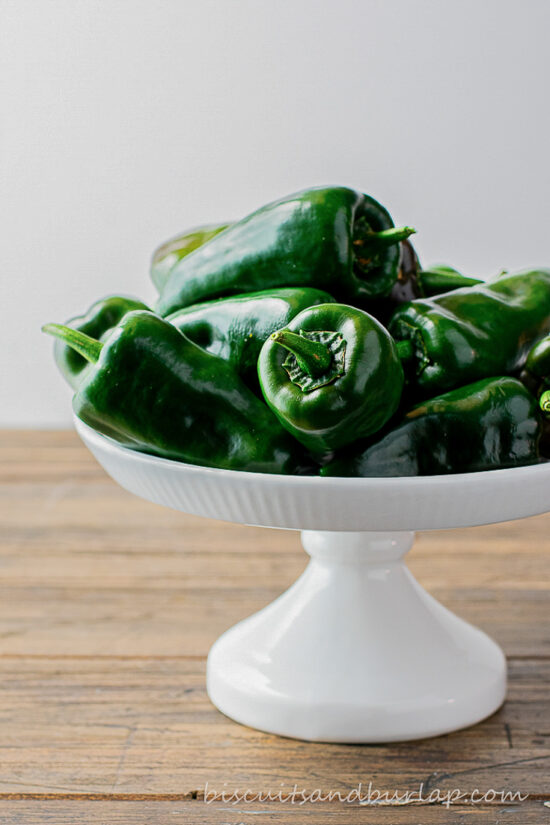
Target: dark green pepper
column 331, row 376
column 335, row 239
column 236, row 328
column 152, row 389
column 487, row 425
column 474, row 332
column 98, row 322
column 536, row 377
column 440, row 279
column 536, row 372
column 170, row 253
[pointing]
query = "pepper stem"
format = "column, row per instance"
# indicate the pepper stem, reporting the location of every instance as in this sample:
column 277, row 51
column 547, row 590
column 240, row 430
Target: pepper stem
column 405, row 349
column 386, row 237
column 86, row 346
column 544, row 402
column 312, row 357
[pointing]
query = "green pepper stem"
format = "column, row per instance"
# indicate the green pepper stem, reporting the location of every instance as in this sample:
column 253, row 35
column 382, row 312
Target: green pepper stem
column 405, row 350
column 86, row 346
column 312, row 357
column 386, row 237
column 544, row 402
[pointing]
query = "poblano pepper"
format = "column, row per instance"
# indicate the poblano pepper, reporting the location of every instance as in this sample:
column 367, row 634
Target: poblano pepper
column 329, row 238
column 170, row 253
column 236, row 328
column 440, row 279
column 97, row 322
column 536, row 372
column 536, row 377
column 331, row 376
column 474, row 332
column 487, row 425
column 152, row 389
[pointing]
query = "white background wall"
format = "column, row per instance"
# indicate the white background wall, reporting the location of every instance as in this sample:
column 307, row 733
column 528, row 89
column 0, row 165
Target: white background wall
column 125, row 121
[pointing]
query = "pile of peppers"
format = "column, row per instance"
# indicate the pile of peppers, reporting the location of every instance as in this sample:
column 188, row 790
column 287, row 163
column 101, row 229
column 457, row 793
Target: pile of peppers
column 306, row 338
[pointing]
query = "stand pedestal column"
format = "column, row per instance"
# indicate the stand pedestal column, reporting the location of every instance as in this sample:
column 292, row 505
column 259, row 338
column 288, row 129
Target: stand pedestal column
column 356, row 651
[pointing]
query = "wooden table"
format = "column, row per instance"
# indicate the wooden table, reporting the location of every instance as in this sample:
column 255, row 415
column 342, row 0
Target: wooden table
column 109, row 606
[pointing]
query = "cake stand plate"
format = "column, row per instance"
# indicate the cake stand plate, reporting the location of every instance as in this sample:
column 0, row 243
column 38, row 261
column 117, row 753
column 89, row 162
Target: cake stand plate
column 355, row 650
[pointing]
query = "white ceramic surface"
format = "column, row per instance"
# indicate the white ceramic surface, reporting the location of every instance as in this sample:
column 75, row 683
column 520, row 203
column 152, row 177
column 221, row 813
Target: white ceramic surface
column 355, row 650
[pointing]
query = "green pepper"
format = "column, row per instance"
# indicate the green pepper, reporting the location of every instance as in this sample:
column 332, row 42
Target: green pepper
column 536, row 377
column 536, row 372
column 331, row 376
column 97, row 322
column 152, row 389
column 170, row 253
column 236, row 328
column 474, row 332
column 335, row 239
column 440, row 279
column 487, row 425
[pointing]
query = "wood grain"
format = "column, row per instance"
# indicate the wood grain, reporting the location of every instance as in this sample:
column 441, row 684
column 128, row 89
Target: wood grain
column 108, row 606
column 148, row 812
column 139, row 726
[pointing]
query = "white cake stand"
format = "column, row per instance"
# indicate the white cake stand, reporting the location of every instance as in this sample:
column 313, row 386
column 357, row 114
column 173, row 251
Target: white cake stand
column 355, row 650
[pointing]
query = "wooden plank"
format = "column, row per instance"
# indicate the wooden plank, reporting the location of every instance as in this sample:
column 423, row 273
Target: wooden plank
column 146, row 726
column 44, row 455
column 85, row 812
column 84, row 562
column 138, row 619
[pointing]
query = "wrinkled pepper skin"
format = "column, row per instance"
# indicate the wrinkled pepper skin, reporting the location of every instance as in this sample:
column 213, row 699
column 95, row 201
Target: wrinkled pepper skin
column 98, row 322
column 474, row 332
column 153, row 390
column 335, row 239
column 491, row 424
column 331, row 376
column 170, row 253
column 235, row 328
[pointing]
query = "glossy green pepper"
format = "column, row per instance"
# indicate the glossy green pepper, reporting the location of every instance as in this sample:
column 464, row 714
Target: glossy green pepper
column 236, row 328
column 536, row 377
column 536, row 372
column 440, row 279
column 487, row 425
column 474, row 332
column 331, row 376
column 97, row 322
column 170, row 253
column 329, row 238
column 152, row 389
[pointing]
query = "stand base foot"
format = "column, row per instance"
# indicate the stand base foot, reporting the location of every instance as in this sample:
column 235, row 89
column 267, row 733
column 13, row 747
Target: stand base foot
column 356, row 651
